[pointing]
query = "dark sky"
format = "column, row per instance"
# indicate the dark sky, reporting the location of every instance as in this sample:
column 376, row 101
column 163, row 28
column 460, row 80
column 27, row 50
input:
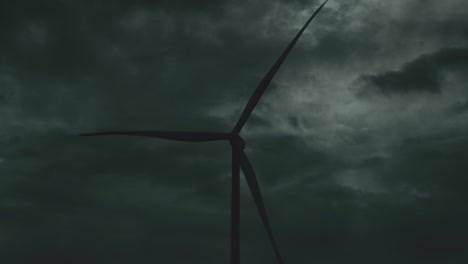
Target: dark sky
column 360, row 143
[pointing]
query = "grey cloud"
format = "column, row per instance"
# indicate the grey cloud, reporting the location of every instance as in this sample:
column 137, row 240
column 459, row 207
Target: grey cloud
column 458, row 108
column 423, row 74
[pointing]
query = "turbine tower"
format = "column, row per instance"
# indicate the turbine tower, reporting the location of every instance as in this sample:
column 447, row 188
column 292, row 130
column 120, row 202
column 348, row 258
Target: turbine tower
column 239, row 158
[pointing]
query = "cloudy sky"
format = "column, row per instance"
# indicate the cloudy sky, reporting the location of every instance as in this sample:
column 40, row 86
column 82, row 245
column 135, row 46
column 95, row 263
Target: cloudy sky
column 360, row 142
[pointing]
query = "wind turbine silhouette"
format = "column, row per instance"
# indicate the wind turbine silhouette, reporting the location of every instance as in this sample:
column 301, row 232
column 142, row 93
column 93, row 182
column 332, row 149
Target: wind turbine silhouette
column 239, row 158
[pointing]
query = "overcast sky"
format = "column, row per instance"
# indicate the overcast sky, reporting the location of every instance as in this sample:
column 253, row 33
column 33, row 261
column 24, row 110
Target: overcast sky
column 360, row 142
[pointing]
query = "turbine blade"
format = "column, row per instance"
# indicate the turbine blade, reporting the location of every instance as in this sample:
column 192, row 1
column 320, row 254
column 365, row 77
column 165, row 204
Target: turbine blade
column 171, row 135
column 257, row 195
column 269, row 76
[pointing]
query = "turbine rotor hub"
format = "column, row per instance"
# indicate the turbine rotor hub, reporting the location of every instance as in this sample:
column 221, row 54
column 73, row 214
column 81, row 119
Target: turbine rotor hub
column 237, row 141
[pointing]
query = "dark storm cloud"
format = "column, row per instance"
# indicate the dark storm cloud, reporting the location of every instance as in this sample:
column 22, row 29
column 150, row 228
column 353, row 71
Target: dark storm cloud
column 458, row 108
column 97, row 48
column 445, row 153
column 421, row 205
column 424, row 74
column 8, row 91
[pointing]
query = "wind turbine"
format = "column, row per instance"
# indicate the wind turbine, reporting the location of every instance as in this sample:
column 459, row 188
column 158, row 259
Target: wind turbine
column 239, row 158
